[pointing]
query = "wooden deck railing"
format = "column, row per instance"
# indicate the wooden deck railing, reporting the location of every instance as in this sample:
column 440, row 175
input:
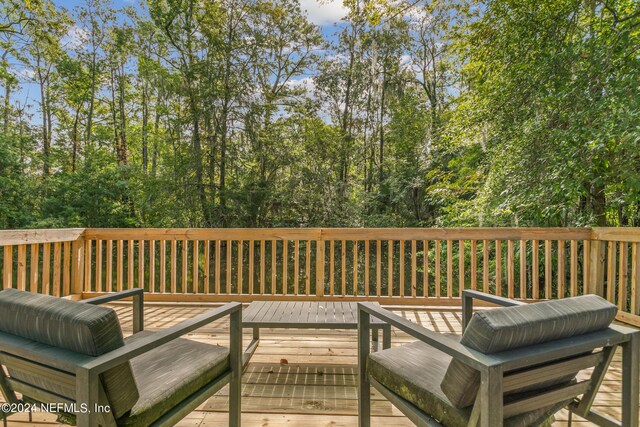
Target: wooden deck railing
column 392, row 266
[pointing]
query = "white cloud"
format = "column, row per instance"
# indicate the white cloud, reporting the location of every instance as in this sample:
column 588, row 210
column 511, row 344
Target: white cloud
column 23, row 73
column 306, row 83
column 75, row 37
column 324, row 12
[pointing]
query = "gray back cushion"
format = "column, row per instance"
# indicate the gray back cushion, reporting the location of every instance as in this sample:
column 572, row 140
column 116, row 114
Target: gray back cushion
column 74, row 326
column 509, row 328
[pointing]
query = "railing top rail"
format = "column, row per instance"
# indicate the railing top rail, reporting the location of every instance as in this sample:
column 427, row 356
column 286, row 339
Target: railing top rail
column 19, row 237
column 339, row 233
column 23, row 237
column 620, row 234
column 203, row 233
column 455, row 233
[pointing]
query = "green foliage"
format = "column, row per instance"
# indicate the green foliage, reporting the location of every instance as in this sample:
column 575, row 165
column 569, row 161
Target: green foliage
column 245, row 114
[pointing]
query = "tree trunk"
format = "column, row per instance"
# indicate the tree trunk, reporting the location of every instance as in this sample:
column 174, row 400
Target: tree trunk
column 74, row 140
column 145, row 124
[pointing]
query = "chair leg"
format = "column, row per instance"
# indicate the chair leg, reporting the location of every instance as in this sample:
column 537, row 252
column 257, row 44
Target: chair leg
column 631, row 381
column 570, row 420
column 364, row 386
column 235, row 384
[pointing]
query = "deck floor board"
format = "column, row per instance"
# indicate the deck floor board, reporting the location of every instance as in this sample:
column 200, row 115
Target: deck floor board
column 307, row 377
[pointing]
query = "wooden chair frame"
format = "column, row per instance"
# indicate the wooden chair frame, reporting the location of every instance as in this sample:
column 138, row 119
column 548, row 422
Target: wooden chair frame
column 489, row 409
column 84, row 371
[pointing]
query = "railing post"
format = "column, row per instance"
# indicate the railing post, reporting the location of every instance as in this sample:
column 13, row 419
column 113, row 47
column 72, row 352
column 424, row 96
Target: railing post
column 596, row 270
column 77, row 265
column 320, row 266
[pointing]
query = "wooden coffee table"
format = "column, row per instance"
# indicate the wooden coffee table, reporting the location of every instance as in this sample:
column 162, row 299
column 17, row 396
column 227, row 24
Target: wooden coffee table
column 307, row 315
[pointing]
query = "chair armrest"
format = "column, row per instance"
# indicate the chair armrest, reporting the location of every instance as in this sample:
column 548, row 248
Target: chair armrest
column 467, row 303
column 441, row 342
column 143, row 345
column 138, row 304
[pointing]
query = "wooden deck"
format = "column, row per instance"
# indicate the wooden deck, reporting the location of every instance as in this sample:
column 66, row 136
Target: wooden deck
column 307, row 377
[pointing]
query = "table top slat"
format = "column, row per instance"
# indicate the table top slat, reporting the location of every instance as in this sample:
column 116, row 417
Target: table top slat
column 303, row 314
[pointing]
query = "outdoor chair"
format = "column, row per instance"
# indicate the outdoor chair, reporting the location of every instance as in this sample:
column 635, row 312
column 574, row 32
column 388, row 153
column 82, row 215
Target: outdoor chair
column 513, row 366
column 57, row 351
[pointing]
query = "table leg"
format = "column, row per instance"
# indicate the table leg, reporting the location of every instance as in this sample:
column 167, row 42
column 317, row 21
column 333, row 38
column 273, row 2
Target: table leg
column 251, row 348
column 386, row 336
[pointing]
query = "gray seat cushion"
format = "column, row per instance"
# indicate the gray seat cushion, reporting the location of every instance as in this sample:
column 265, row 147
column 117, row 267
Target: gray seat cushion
column 509, row 328
column 170, row 373
column 415, row 371
column 74, row 326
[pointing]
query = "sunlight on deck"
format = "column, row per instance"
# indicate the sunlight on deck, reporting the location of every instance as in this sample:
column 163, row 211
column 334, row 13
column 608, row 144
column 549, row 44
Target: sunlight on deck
column 307, row 377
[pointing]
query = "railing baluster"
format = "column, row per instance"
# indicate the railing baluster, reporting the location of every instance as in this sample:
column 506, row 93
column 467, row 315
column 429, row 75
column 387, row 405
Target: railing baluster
column 379, row 267
column 296, row 267
column 35, row 268
column 499, row 267
column 240, row 266
column 438, row 284
column 285, row 267
column 57, row 272
column 273, row 266
column 460, row 266
column 130, row 265
column 523, row 269
column 425, row 268
column 7, row 267
column 251, row 265
column 163, row 266
column 87, row 266
column 46, row 269
column 66, row 276
column 355, row 267
column 152, row 266
column 574, row 268
column 635, row 279
column 218, row 273
column 109, row 266
column 332, row 267
column 195, row 274
column 402, row 283
column 622, row 277
column 174, row 266
column 547, row 270
column 228, row 267
column 185, row 265
column 207, row 268
column 140, row 264
column 535, row 273
column 99, row 287
column 22, row 267
column 414, row 268
column 586, row 266
column 262, row 265
column 485, row 266
column 366, row 268
column 561, row 272
column 510, row 269
column 474, row 264
column 449, row 268
column 343, row 254
column 390, row 266
column 308, row 267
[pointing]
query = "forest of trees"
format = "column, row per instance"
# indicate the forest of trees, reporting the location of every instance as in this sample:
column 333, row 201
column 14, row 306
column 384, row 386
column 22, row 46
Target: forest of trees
column 243, row 113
